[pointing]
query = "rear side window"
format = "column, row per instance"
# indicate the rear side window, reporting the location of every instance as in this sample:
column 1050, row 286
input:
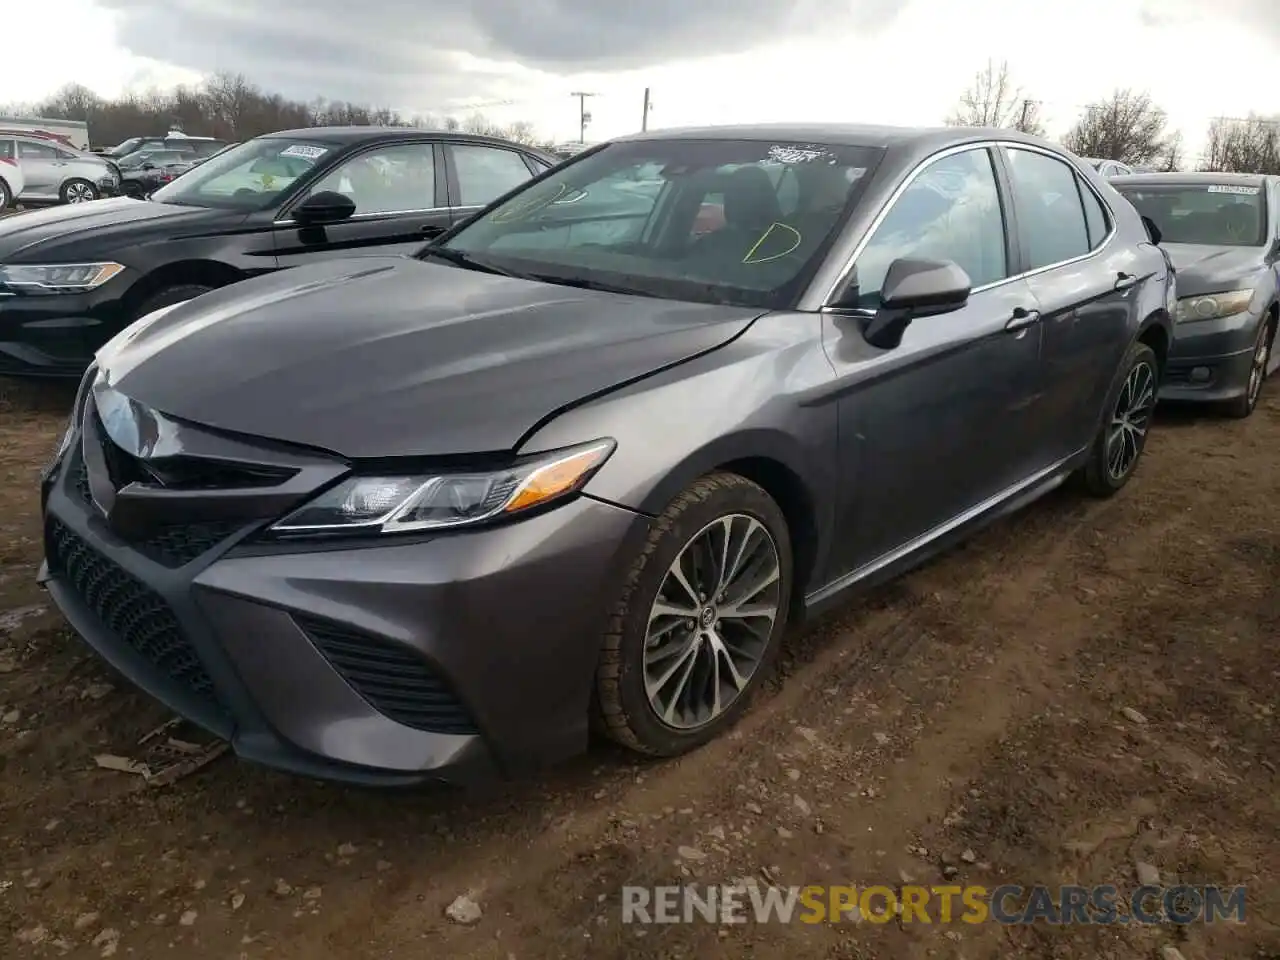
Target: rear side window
column 6, row 150
column 486, row 173
column 1094, row 216
column 36, row 151
column 1051, row 218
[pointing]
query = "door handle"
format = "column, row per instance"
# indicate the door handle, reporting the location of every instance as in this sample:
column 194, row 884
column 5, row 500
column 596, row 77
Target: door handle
column 1022, row 318
column 431, row 230
column 1125, row 280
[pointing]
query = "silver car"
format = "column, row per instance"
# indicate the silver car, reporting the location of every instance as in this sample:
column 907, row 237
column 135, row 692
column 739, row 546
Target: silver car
column 57, row 173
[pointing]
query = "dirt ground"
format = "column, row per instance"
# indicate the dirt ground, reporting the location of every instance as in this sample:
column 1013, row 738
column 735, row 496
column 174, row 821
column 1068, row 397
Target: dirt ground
column 968, row 717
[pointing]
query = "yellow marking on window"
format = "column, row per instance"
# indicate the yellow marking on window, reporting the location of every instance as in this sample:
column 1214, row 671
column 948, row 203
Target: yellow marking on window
column 751, row 257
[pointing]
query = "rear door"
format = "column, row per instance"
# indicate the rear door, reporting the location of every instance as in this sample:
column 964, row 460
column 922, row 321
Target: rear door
column 1085, row 279
column 40, row 168
column 400, row 197
column 479, row 173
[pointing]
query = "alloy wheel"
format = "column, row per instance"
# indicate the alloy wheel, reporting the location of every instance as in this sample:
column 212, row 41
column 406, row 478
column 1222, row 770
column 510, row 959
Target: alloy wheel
column 1130, row 420
column 1258, row 369
column 710, row 624
column 79, row 193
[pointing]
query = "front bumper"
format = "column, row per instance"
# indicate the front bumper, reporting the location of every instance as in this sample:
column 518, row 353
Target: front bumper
column 446, row 658
column 1210, row 360
column 57, row 335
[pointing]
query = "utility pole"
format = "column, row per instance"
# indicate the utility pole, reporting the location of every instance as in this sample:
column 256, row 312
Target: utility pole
column 584, row 117
column 644, row 119
column 1026, row 112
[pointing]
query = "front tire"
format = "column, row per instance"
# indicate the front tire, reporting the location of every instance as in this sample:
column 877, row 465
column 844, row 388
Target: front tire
column 699, row 618
column 78, row 191
column 1118, row 446
column 6, row 196
column 1244, row 405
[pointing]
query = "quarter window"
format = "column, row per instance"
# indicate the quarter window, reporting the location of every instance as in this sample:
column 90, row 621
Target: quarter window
column 1051, row 220
column 391, row 179
column 486, row 173
column 1094, row 216
column 36, row 151
column 951, row 211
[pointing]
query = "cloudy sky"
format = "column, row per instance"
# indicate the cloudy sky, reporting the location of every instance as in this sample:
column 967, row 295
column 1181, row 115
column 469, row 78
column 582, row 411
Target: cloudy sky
column 707, row 61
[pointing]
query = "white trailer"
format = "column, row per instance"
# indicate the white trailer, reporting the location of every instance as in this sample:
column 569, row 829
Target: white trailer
column 74, row 133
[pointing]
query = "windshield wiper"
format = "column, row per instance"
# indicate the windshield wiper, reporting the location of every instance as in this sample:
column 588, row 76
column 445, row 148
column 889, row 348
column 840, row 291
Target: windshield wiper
column 471, row 262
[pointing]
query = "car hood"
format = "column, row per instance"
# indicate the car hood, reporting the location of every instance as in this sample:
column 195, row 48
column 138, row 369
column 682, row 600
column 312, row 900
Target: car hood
column 388, row 356
column 1210, row 269
column 94, row 229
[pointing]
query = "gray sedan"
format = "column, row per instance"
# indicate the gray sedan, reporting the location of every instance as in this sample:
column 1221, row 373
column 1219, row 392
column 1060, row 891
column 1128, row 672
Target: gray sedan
column 580, row 465
column 1222, row 232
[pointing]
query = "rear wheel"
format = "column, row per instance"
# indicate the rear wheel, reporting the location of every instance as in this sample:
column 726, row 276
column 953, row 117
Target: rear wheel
column 1243, row 405
column 699, row 619
column 78, row 191
column 6, row 195
column 1123, row 435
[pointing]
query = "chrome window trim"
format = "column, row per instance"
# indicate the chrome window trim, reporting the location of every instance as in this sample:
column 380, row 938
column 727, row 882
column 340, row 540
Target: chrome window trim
column 951, row 151
column 289, row 221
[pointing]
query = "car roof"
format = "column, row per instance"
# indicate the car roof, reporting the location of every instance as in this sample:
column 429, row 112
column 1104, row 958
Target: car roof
column 350, row 135
column 1194, row 177
column 908, row 143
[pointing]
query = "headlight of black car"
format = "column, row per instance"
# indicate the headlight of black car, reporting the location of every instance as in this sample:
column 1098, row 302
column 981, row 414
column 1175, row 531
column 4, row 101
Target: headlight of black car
column 77, row 413
column 434, row 501
column 57, row 277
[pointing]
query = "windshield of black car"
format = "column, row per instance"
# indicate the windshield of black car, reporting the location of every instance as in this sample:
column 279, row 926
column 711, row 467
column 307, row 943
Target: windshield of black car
column 725, row 221
column 252, row 176
column 1213, row 214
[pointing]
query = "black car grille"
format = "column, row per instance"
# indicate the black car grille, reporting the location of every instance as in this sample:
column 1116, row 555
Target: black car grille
column 394, row 680
column 134, row 614
column 174, row 545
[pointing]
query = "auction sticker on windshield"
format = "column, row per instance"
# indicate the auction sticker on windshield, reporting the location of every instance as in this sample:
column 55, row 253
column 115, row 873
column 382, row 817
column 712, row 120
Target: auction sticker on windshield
column 1234, row 188
column 306, row 151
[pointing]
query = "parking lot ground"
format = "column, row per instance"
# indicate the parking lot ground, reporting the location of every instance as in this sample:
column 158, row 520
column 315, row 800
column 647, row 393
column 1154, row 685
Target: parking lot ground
column 1085, row 686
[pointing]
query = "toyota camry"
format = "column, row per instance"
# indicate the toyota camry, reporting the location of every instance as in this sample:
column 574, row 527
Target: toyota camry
column 579, row 463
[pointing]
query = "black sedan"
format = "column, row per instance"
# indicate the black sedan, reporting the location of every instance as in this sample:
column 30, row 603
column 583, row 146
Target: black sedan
column 149, row 176
column 1222, row 232
column 581, row 461
column 73, row 277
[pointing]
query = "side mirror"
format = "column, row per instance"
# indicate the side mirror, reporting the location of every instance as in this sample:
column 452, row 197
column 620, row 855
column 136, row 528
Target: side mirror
column 1152, row 230
column 148, row 166
column 913, row 289
column 327, row 206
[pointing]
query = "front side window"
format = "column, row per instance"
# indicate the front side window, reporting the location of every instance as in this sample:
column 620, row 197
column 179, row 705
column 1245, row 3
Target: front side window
column 951, row 211
column 393, row 179
column 1051, row 219
column 253, row 176
column 723, row 221
column 1214, row 214
column 6, row 150
column 486, row 173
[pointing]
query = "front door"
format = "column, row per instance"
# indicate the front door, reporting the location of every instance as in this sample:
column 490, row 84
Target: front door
column 400, row 199
column 936, row 427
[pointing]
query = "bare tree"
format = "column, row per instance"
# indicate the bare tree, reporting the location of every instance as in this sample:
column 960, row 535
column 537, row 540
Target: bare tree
column 229, row 105
column 994, row 100
column 1127, row 126
column 1171, row 157
column 1243, row 146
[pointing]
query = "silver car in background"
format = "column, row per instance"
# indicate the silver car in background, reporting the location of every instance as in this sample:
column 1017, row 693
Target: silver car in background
column 56, row 173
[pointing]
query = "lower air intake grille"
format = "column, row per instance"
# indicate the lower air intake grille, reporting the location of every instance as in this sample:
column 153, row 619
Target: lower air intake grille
column 394, row 680
column 135, row 615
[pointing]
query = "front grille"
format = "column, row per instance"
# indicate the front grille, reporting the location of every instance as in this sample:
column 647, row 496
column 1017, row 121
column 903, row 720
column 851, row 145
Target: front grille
column 174, row 545
column 395, row 681
column 133, row 613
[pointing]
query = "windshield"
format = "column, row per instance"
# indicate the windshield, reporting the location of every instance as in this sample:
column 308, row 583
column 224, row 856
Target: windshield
column 253, row 176
column 1215, row 214
column 722, row 221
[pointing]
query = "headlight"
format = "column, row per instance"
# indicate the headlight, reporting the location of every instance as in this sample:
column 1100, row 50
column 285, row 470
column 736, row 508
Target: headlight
column 1214, row 305
column 77, row 413
column 401, row 504
column 58, row 277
